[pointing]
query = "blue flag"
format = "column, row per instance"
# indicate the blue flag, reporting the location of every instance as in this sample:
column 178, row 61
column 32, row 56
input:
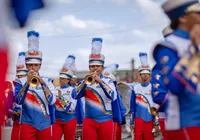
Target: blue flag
column 22, row 9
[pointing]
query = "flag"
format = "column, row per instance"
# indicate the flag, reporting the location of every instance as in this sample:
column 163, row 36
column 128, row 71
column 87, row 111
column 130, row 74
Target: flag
column 23, row 8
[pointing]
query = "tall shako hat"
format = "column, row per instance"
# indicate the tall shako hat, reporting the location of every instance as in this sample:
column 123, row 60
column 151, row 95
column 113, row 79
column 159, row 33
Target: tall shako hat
column 96, row 58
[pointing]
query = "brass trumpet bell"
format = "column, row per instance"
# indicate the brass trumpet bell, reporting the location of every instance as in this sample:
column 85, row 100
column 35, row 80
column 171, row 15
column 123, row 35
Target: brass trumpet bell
column 89, row 80
column 34, row 81
column 153, row 111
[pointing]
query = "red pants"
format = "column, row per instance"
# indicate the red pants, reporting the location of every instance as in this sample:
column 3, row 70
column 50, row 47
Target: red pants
column 117, row 132
column 15, row 131
column 162, row 127
column 92, row 130
column 191, row 133
column 66, row 128
column 28, row 132
column 143, row 130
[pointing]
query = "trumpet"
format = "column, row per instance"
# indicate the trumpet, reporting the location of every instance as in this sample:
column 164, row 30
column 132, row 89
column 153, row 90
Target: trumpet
column 34, row 81
column 89, row 79
column 153, row 111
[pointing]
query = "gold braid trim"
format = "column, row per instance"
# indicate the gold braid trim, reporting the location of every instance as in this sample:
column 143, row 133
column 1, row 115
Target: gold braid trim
column 21, row 93
column 101, row 103
column 47, row 92
column 63, row 103
column 149, row 107
column 80, row 87
column 41, row 106
column 108, row 89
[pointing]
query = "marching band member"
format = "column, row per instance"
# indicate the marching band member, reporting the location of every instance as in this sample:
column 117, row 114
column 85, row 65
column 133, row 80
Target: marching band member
column 73, row 81
column 142, row 120
column 36, row 94
column 99, row 92
column 66, row 107
column 176, row 60
column 160, row 93
column 118, row 109
column 21, row 72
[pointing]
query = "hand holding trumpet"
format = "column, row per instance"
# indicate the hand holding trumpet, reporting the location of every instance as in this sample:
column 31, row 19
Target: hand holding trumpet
column 30, row 74
column 97, row 77
column 91, row 78
column 33, row 79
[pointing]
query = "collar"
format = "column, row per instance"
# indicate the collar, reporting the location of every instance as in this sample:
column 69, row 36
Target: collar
column 181, row 33
column 65, row 86
column 144, row 85
column 101, row 76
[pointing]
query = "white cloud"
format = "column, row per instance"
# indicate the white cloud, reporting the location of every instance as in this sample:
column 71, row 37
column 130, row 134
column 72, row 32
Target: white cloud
column 68, row 23
column 77, row 23
column 152, row 11
column 47, row 28
column 65, row 1
column 149, row 37
column 71, row 21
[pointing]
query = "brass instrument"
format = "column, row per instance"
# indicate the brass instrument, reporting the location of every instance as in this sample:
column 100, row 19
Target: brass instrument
column 89, row 79
column 154, row 111
column 34, row 81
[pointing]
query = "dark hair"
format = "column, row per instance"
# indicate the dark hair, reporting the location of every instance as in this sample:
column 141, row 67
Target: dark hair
column 174, row 24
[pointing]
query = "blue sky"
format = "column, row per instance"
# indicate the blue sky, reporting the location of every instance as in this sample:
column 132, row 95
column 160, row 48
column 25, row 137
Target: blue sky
column 67, row 27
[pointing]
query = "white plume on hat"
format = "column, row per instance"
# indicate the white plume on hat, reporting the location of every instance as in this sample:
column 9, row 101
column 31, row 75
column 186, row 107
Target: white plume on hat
column 143, row 59
column 33, row 41
column 96, row 58
column 21, row 59
column 20, row 65
column 144, row 68
column 96, row 46
column 110, row 69
column 66, row 71
column 69, row 62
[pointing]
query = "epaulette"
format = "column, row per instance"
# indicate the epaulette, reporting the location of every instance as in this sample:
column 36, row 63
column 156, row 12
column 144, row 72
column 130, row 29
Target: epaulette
column 47, row 79
column 163, row 44
column 17, row 81
column 108, row 78
column 154, row 68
